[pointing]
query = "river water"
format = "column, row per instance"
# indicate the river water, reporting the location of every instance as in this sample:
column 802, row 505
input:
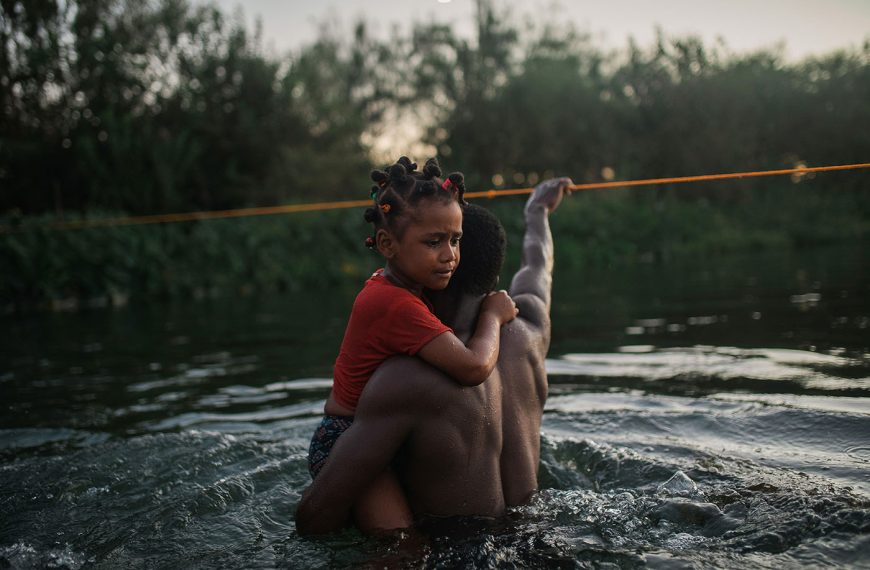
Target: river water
column 703, row 413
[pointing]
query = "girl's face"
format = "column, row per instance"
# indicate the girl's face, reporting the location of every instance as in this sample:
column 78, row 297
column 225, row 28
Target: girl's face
column 428, row 252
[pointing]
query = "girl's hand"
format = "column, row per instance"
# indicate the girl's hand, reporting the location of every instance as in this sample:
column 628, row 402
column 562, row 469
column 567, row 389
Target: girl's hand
column 501, row 306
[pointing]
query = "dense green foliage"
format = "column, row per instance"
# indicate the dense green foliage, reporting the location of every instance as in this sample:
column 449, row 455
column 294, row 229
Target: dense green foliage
column 153, row 106
column 181, row 260
column 297, row 253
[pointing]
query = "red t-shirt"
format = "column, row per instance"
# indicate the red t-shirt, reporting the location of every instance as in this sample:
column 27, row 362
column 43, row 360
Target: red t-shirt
column 385, row 320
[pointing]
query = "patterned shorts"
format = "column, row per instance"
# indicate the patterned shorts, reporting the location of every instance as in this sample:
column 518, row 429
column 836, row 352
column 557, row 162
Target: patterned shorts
column 324, row 438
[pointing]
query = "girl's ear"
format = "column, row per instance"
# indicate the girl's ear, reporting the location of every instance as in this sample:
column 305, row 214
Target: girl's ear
column 386, row 243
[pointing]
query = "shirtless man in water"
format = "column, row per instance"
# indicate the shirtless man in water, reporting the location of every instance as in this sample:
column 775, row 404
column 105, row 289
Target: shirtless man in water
column 458, row 450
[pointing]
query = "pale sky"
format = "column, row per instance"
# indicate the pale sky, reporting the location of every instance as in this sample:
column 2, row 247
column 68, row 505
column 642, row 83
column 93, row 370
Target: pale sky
column 806, row 27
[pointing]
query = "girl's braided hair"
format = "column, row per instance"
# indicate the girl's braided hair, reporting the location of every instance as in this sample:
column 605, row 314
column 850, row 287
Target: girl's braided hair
column 400, row 188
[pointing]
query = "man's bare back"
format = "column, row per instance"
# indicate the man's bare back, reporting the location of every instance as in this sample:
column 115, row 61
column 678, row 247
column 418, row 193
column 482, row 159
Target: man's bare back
column 458, row 450
column 473, row 450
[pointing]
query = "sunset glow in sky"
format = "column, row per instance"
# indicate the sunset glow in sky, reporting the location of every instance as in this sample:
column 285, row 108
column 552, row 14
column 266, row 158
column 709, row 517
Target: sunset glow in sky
column 802, row 28
column 806, row 27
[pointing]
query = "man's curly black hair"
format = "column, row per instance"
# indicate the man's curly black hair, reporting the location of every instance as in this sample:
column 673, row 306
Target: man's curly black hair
column 482, row 252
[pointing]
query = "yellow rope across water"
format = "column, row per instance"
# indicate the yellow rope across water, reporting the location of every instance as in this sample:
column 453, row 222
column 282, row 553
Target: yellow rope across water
column 323, row 206
column 674, row 180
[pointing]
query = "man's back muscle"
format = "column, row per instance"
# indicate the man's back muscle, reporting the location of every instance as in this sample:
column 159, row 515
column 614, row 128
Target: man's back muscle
column 449, row 464
column 474, row 450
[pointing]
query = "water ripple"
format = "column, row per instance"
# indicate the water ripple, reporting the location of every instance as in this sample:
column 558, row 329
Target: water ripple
column 702, row 368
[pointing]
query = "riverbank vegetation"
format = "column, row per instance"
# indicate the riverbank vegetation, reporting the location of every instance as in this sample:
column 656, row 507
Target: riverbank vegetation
column 122, row 107
column 224, row 258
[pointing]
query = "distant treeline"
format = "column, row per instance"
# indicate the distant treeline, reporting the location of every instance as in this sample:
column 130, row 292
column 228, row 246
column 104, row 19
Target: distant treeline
column 324, row 251
column 128, row 107
column 148, row 106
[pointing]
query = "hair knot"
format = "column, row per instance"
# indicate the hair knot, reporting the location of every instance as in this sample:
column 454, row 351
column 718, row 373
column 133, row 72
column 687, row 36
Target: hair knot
column 431, row 169
column 457, row 183
column 406, row 162
column 370, row 215
column 380, row 177
column 396, row 172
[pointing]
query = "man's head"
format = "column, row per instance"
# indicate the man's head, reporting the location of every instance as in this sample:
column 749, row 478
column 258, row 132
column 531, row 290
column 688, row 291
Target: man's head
column 483, row 250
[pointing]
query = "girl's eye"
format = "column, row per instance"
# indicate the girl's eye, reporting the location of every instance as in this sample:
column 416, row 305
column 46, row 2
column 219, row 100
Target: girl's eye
column 455, row 241
column 433, row 243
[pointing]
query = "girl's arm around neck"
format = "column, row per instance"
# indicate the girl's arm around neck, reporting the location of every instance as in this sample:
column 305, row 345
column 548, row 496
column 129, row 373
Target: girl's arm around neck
column 471, row 364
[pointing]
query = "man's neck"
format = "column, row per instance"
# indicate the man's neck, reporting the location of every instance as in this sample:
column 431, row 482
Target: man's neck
column 458, row 311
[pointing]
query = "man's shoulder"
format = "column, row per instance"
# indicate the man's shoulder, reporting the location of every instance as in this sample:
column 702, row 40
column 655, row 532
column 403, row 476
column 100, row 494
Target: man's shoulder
column 533, row 313
column 529, row 333
column 406, row 371
column 405, row 380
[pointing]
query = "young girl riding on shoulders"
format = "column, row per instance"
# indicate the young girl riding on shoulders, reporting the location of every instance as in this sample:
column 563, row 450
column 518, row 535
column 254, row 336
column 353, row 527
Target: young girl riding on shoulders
column 417, row 218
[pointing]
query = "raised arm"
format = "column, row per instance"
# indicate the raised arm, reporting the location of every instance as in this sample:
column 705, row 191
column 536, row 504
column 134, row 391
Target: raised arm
column 531, row 285
column 383, row 420
column 471, row 364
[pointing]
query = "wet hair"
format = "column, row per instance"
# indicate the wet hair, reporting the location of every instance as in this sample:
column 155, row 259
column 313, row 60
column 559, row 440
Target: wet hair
column 400, row 189
column 483, row 252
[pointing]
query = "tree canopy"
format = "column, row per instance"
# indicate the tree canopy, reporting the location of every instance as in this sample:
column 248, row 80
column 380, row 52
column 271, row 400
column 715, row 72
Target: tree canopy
column 150, row 106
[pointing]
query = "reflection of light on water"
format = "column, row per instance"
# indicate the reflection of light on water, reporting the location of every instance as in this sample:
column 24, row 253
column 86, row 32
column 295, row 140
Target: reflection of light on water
column 703, row 320
column 652, row 326
column 806, row 301
column 636, row 348
column 300, row 384
column 836, row 404
column 711, row 362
